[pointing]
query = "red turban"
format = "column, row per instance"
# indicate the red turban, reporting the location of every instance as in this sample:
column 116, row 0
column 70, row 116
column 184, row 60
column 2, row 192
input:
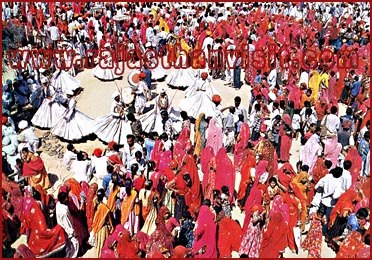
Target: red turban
column 111, row 145
column 97, row 152
column 115, row 159
column 204, row 75
column 4, row 119
column 142, row 75
column 216, row 98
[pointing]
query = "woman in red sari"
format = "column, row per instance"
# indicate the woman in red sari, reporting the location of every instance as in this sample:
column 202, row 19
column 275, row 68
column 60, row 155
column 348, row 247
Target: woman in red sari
column 229, row 236
column 274, row 239
column 89, row 206
column 350, row 247
column 246, row 177
column 241, row 146
column 42, row 241
column 356, row 161
column 205, row 233
column 161, row 237
column 210, row 180
column 34, row 170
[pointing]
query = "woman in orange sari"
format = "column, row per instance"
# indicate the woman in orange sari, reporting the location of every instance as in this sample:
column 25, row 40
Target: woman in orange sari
column 34, row 170
column 129, row 207
column 301, row 182
column 102, row 223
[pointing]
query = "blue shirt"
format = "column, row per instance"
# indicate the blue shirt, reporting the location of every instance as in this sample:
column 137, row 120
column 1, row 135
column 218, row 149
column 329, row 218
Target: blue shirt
column 353, row 222
column 106, row 180
column 355, row 88
column 149, row 144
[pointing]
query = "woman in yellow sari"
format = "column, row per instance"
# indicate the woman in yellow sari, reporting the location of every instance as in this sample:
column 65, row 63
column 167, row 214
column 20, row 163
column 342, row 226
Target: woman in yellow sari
column 314, row 82
column 200, row 130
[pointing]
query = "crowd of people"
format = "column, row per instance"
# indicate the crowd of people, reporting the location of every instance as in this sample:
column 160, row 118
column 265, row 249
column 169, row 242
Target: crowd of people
column 166, row 184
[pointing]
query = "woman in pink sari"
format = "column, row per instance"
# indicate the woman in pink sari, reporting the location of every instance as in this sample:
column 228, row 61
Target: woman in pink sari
column 205, row 233
column 241, row 146
column 310, row 151
column 209, row 180
column 182, row 146
column 225, row 173
column 332, row 149
column 214, row 138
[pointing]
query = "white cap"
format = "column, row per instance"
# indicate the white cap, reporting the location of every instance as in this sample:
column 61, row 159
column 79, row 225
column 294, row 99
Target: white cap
column 23, row 124
column 148, row 44
column 41, row 70
column 44, row 80
column 272, row 96
column 162, row 90
column 115, row 94
column 107, row 44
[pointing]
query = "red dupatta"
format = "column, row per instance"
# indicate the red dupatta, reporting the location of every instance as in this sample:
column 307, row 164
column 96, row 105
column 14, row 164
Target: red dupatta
column 33, row 167
column 229, row 237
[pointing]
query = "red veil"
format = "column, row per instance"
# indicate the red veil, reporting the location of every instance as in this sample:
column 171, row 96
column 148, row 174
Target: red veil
column 225, row 173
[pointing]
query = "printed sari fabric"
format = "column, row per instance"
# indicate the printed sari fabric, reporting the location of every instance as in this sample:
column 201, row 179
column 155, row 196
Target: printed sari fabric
column 241, row 146
column 42, row 241
column 350, row 247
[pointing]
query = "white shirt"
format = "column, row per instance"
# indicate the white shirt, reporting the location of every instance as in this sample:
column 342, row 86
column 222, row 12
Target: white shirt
column 68, row 158
column 128, row 155
column 54, row 33
column 346, row 180
column 81, row 170
column 333, row 123
column 331, row 186
column 99, row 164
column 64, row 217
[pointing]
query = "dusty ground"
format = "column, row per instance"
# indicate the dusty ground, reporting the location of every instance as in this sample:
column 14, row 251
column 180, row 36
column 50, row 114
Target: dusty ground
column 96, row 101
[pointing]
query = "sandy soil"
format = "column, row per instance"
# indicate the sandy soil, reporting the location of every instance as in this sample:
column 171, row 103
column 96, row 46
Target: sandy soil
column 96, row 101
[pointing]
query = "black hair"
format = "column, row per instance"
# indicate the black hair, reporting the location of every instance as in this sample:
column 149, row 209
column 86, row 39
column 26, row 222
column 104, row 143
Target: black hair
column 273, row 179
column 333, row 110
column 206, row 202
column 130, row 136
column 366, row 135
column 62, row 196
column 328, row 164
column 336, row 172
column 347, row 164
column 362, row 213
column 70, row 147
column 237, row 99
column 110, row 168
column 80, row 156
column 305, row 168
column 225, row 189
column 138, row 154
column 131, row 117
column 184, row 115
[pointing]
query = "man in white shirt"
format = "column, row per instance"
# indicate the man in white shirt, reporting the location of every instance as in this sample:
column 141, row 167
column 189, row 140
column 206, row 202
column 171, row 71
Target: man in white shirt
column 99, row 163
column 81, row 168
column 29, row 134
column 239, row 109
column 129, row 150
column 54, row 34
column 332, row 121
column 69, row 156
column 207, row 41
column 346, row 176
column 64, row 219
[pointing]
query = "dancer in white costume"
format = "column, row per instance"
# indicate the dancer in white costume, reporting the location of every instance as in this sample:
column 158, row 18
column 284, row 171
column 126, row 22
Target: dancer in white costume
column 114, row 126
column 152, row 121
column 73, row 125
column 50, row 110
column 200, row 100
column 183, row 76
column 62, row 82
column 139, row 92
column 191, row 89
column 156, row 68
column 105, row 70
